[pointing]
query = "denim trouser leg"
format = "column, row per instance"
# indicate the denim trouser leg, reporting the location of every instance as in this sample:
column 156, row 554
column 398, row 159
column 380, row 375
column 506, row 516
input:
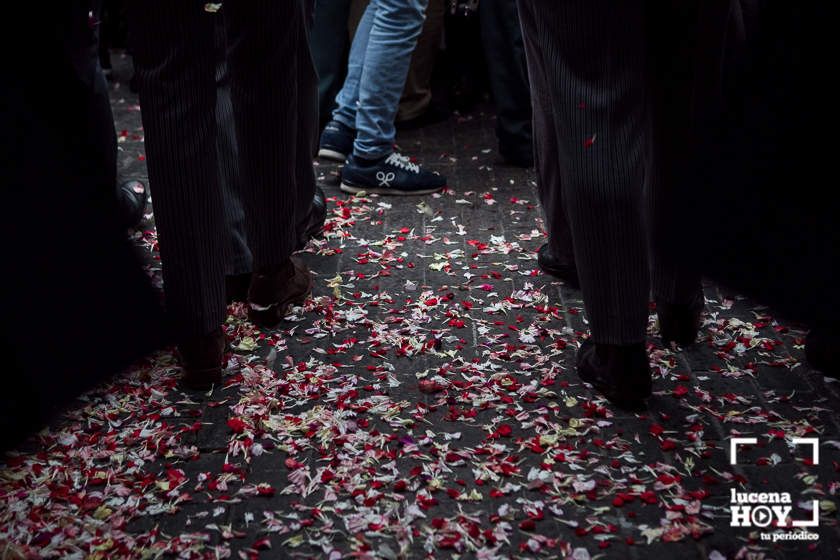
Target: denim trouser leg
column 417, row 93
column 348, row 98
column 393, row 35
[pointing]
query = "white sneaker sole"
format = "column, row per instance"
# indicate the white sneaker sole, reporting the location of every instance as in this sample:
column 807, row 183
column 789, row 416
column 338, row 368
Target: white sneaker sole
column 352, row 189
column 331, row 155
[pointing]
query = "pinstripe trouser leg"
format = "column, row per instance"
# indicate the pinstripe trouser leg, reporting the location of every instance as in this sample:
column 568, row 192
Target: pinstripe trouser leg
column 588, row 66
column 593, row 62
column 239, row 259
column 275, row 100
column 270, row 67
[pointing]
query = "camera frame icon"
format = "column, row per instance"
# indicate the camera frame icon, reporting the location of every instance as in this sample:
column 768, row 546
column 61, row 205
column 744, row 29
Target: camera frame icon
column 735, row 442
column 761, row 515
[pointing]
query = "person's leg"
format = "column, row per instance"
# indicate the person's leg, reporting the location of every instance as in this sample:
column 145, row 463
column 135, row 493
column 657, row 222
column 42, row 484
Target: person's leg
column 347, row 100
column 676, row 286
column 338, row 134
column 357, row 10
column 306, row 130
column 417, row 93
column 595, row 51
column 174, row 62
column 239, row 260
column 374, row 166
column 505, row 54
column 309, row 214
column 102, row 13
column 269, row 107
column 557, row 257
column 104, row 122
column 329, row 50
column 466, row 75
column 130, row 194
column 392, row 37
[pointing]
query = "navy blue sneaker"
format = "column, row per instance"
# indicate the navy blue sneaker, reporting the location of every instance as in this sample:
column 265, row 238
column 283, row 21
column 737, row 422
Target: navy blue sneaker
column 394, row 174
column 336, row 141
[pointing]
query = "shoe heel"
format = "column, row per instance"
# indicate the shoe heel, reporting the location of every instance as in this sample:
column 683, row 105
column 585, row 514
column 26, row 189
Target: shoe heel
column 267, row 318
column 680, row 328
column 301, row 299
column 201, row 380
column 270, row 315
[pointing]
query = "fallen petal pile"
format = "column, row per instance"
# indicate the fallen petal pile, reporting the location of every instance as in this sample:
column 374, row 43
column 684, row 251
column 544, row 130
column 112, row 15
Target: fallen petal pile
column 423, row 404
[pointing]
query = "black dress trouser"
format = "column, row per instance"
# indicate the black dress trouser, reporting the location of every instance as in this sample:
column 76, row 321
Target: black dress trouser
column 605, row 153
column 507, row 73
column 274, row 95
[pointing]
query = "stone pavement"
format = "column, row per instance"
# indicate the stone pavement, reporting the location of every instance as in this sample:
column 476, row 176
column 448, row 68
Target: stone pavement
column 422, row 404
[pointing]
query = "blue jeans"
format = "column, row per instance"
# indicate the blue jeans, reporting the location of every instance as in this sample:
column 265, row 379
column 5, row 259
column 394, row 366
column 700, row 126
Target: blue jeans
column 379, row 59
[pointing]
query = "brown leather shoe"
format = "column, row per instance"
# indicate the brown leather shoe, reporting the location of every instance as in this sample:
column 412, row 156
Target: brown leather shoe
column 271, row 294
column 201, row 358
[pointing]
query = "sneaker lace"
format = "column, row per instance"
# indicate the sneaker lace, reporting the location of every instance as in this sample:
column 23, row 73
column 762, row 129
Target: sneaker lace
column 402, row 162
